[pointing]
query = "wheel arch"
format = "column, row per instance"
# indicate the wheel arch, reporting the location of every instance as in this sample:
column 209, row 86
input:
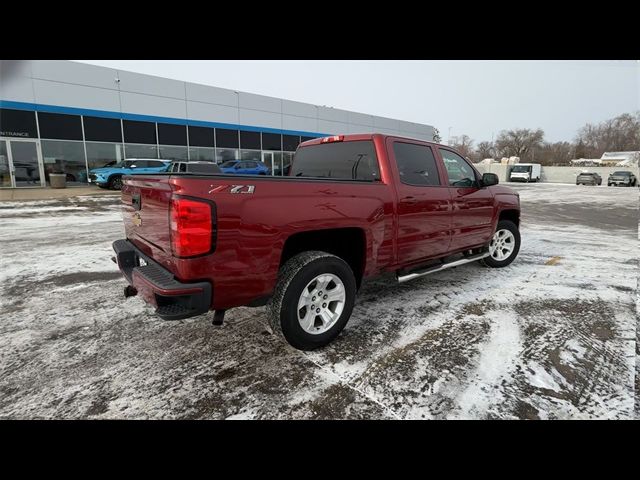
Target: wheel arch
column 348, row 243
column 510, row 214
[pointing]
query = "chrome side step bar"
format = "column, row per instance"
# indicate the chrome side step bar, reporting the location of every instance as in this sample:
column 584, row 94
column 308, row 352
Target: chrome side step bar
column 444, row 266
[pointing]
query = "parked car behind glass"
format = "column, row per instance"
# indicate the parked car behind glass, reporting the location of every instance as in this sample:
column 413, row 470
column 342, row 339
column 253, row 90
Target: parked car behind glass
column 111, row 177
column 245, row 167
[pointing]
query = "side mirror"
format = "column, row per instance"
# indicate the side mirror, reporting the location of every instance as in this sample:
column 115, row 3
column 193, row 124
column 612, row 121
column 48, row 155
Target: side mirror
column 489, row 179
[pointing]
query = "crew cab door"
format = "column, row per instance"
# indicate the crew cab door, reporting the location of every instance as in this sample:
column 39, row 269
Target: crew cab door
column 473, row 206
column 424, row 201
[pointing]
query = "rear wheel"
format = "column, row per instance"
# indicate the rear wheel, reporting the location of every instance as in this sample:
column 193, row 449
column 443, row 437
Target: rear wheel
column 504, row 246
column 115, row 183
column 313, row 299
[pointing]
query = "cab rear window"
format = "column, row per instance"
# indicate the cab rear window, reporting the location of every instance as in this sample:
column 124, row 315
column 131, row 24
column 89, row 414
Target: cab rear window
column 355, row 160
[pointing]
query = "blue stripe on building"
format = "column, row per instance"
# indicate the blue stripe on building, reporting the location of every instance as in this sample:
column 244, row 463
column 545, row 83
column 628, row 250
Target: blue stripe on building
column 148, row 118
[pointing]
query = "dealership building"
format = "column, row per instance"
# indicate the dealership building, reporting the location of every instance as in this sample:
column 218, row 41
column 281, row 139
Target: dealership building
column 69, row 117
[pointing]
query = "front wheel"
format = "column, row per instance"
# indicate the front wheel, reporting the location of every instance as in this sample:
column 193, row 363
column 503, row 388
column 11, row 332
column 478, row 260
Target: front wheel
column 313, row 300
column 115, row 183
column 504, row 246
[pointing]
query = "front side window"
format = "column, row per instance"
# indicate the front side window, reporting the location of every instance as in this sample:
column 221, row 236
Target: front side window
column 459, row 171
column 416, row 164
column 355, row 160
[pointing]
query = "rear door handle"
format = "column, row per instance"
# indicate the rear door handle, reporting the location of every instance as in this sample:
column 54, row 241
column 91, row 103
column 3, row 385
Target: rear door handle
column 409, row 200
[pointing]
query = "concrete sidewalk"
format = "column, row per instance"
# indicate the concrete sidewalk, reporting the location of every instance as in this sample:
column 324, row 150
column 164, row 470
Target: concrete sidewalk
column 18, row 194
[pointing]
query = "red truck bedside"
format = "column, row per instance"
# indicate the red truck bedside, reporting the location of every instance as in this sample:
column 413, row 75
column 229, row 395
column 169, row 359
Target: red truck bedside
column 352, row 207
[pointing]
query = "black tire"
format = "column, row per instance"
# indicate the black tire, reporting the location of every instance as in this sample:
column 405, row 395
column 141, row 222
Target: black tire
column 115, row 182
column 513, row 228
column 293, row 277
column 70, row 178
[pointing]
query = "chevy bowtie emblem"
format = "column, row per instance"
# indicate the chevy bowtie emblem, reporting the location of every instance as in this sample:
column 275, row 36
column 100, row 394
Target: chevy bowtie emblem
column 136, row 219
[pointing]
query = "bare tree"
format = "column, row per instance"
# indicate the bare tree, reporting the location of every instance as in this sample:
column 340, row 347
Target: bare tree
column 621, row 133
column 436, row 136
column 558, row 153
column 485, row 150
column 520, row 142
column 463, row 144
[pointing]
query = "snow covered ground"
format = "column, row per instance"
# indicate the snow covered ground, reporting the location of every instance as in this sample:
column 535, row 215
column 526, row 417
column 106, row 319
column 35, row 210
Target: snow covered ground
column 542, row 338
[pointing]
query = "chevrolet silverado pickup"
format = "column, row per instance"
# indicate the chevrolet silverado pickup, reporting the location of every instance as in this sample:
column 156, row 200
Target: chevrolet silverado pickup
column 352, row 207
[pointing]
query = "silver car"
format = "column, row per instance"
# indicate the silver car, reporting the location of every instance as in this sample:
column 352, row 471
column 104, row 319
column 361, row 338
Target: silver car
column 588, row 178
column 624, row 178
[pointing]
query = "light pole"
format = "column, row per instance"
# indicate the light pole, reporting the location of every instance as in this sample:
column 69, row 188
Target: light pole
column 449, row 139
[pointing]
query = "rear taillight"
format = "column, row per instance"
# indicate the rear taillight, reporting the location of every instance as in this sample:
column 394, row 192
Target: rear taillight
column 192, row 224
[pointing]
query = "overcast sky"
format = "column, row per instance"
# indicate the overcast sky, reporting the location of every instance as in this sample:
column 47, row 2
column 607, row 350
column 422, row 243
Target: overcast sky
column 478, row 97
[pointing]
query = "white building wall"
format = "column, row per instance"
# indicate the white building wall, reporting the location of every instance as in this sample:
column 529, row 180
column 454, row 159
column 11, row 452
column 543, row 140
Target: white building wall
column 77, row 85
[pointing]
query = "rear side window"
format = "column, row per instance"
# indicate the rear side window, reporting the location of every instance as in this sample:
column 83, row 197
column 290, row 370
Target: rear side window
column 183, row 167
column 346, row 160
column 416, row 164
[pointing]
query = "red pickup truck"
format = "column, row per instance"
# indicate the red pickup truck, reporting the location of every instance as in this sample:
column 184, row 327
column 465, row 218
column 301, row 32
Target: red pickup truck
column 351, row 207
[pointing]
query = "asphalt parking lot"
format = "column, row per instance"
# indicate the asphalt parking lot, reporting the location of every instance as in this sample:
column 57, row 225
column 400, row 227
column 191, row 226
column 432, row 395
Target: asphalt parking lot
column 553, row 335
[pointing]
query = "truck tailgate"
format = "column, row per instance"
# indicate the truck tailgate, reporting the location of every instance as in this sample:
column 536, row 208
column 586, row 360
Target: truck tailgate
column 145, row 211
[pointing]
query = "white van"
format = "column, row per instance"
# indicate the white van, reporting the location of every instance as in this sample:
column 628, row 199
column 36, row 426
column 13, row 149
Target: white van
column 525, row 172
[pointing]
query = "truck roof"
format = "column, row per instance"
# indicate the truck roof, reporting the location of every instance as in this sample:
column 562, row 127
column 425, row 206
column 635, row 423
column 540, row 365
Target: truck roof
column 363, row 136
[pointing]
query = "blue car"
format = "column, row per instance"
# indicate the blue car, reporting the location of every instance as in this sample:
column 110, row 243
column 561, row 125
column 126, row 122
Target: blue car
column 111, row 176
column 245, row 167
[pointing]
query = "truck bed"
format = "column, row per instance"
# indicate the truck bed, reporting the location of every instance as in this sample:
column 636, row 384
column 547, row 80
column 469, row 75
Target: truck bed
column 254, row 217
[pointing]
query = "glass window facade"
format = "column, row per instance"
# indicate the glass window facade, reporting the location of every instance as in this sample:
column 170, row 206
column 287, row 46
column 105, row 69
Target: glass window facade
column 251, row 155
column 202, row 154
column 5, row 177
column 18, row 123
column 60, row 126
column 64, row 157
column 271, row 141
column 76, row 144
column 140, row 151
column 290, row 142
column 227, row 138
column 226, row 154
column 139, row 132
column 250, row 140
column 168, row 152
column 169, row 134
column 97, row 129
column 101, row 154
column 201, row 137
